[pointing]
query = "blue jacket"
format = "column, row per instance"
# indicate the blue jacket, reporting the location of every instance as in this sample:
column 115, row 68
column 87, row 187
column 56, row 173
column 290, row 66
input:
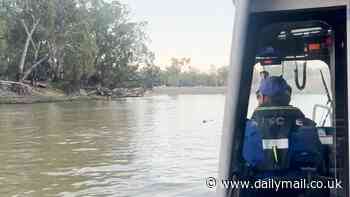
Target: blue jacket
column 303, row 141
column 252, row 146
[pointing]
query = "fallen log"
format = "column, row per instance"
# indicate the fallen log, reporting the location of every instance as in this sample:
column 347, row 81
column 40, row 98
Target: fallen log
column 37, row 84
column 19, row 88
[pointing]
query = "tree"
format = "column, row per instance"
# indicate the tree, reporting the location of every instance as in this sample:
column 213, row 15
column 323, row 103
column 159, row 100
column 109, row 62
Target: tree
column 22, row 20
column 222, row 74
column 175, row 69
column 120, row 42
column 71, row 41
column 213, row 76
column 175, row 76
column 151, row 76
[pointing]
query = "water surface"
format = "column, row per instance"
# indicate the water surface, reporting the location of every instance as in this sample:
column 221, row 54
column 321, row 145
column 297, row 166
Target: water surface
column 152, row 146
column 139, row 147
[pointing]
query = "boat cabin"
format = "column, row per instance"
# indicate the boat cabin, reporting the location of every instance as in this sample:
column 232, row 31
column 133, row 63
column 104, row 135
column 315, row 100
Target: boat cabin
column 305, row 42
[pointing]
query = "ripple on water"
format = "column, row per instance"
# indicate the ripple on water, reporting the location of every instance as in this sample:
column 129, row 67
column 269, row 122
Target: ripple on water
column 154, row 146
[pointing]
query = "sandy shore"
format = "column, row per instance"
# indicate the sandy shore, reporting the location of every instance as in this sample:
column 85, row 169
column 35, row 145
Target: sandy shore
column 187, row 90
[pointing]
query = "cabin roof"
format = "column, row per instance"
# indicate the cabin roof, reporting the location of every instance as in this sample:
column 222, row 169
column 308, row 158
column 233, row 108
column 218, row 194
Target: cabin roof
column 277, row 5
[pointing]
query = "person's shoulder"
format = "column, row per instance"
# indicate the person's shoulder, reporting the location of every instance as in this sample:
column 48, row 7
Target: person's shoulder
column 251, row 123
column 308, row 122
column 303, row 120
column 297, row 110
column 251, row 127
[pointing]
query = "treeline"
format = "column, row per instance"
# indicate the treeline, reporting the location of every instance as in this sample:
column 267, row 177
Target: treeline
column 74, row 44
column 180, row 73
column 71, row 43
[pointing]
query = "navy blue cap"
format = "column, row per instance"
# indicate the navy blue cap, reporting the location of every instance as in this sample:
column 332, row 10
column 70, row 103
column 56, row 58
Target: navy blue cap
column 272, row 86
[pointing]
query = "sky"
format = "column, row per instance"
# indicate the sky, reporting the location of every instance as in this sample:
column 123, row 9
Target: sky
column 196, row 29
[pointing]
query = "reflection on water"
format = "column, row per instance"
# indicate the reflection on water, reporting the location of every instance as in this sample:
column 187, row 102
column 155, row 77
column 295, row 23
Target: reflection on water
column 153, row 146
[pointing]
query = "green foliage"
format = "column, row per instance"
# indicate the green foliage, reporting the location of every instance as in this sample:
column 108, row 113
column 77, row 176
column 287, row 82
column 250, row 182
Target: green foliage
column 222, row 76
column 151, row 76
column 82, row 38
column 179, row 73
column 87, row 43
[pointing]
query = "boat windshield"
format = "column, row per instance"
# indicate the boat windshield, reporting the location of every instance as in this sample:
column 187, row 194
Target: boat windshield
column 313, row 94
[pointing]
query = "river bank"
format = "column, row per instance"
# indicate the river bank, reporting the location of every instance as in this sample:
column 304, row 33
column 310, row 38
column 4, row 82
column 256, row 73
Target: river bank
column 45, row 99
column 48, row 95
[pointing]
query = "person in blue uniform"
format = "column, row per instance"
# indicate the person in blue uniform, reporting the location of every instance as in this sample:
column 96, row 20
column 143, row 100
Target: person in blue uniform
column 278, row 140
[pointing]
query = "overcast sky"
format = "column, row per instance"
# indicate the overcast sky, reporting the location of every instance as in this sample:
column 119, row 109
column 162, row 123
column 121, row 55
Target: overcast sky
column 200, row 29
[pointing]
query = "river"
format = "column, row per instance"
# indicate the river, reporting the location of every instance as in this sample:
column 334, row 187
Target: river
column 152, row 146
column 155, row 146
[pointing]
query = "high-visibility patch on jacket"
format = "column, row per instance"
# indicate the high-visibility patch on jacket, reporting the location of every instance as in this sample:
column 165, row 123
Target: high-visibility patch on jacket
column 275, row 136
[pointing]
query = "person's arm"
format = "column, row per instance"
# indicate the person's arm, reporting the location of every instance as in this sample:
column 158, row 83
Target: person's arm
column 253, row 152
